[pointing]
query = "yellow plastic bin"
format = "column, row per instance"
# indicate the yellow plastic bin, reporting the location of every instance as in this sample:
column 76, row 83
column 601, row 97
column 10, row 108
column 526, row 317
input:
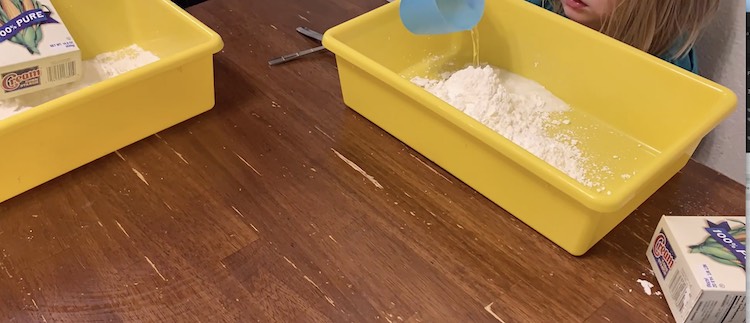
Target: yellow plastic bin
column 649, row 112
column 56, row 137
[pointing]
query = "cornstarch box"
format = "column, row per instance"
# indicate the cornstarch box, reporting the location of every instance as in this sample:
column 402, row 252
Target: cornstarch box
column 699, row 263
column 36, row 50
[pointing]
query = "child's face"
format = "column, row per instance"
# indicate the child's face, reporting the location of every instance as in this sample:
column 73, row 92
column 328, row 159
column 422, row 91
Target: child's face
column 589, row 12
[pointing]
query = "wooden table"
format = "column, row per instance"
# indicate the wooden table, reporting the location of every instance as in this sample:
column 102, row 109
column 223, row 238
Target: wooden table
column 258, row 211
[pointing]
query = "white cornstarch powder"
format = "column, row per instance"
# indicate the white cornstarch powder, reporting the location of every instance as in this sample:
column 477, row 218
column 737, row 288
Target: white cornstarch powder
column 646, row 286
column 97, row 69
column 518, row 108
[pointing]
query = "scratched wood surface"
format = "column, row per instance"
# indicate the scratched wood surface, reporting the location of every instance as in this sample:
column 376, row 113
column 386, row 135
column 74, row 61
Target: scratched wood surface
column 283, row 205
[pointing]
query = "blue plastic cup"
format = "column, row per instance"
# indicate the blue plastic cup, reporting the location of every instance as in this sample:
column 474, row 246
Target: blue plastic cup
column 432, row 17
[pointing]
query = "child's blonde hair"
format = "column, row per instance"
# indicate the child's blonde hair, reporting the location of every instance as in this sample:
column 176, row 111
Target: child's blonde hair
column 657, row 26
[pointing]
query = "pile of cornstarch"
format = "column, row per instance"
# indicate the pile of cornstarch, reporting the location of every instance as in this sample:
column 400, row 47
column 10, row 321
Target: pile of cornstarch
column 518, row 108
column 97, row 69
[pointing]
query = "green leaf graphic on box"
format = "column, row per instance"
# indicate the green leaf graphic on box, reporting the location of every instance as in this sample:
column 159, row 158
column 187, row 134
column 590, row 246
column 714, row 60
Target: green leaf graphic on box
column 3, row 19
column 29, row 37
column 717, row 252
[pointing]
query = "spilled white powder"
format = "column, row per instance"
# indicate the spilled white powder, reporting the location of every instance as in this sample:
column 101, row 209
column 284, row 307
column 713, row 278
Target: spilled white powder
column 518, row 108
column 97, row 69
column 646, row 286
